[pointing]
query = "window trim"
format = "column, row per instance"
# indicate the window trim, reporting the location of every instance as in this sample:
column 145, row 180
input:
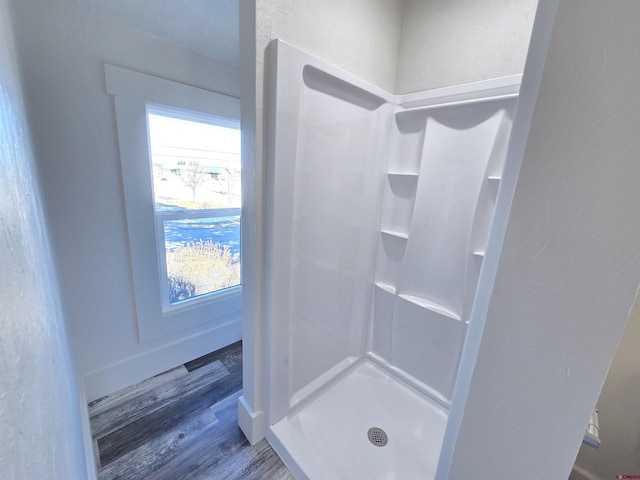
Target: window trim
column 133, row 94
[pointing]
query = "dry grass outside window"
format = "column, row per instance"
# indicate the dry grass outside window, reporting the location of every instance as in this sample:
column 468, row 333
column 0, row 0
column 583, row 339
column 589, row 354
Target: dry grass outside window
column 199, row 268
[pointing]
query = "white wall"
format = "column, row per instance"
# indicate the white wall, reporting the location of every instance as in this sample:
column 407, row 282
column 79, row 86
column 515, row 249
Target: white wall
column 62, row 51
column 543, row 335
column 360, row 36
column 619, row 414
column 39, row 412
column 448, row 42
column 209, row 27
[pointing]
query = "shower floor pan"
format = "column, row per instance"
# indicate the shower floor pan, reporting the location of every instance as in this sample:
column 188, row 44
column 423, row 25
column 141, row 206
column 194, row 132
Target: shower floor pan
column 327, row 437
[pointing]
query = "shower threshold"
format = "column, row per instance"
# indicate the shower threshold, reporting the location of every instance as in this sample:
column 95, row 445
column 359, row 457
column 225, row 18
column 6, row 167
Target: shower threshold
column 327, row 436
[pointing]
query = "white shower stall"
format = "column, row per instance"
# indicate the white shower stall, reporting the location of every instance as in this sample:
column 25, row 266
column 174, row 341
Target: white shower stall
column 379, row 211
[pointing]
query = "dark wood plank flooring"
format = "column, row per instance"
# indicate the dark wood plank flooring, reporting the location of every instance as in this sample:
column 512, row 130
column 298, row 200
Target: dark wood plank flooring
column 181, row 425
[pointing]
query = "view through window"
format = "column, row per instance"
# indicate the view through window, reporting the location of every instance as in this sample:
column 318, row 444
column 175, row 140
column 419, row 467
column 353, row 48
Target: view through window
column 196, row 182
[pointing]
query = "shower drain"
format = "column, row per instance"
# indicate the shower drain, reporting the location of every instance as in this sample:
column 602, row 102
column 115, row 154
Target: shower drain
column 377, row 436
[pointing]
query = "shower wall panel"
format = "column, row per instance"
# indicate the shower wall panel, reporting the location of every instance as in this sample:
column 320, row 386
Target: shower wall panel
column 326, row 177
column 378, row 216
column 444, row 169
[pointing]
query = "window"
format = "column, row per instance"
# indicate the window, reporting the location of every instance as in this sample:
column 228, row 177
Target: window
column 197, row 212
column 180, row 158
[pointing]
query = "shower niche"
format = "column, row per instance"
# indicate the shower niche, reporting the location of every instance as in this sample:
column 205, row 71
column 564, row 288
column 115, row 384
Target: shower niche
column 379, row 211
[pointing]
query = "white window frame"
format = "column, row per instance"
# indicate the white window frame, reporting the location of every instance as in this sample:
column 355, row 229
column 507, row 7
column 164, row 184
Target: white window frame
column 134, row 95
column 162, row 217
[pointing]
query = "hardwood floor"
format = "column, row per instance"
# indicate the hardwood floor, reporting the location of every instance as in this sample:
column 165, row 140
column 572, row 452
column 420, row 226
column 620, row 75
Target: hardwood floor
column 181, row 425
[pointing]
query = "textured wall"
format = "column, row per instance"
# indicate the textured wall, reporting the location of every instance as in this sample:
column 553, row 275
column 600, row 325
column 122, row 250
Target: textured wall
column 39, row 412
column 360, row 36
column 62, row 51
column 569, row 269
column 619, row 413
column 448, row 42
column 209, row 27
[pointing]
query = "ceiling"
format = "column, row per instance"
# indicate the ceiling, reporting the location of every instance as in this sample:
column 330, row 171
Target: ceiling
column 209, row 27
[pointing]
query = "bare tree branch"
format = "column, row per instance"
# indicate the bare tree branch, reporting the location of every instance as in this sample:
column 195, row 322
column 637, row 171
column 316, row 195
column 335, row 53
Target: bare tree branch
column 193, row 177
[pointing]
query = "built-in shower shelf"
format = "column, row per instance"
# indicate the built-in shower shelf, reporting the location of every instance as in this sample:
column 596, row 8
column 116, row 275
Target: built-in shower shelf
column 450, row 104
column 386, row 287
column 402, row 174
column 494, row 179
column 429, row 305
column 479, row 254
column 395, row 234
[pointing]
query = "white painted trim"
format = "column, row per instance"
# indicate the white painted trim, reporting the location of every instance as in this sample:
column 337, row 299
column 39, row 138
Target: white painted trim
column 133, row 92
column 149, row 88
column 457, row 93
column 252, row 424
column 132, row 370
column 584, row 474
column 253, row 342
column 204, row 213
column 87, row 436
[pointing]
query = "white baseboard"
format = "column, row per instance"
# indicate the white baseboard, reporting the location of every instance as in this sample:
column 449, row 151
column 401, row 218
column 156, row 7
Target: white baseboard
column 87, row 438
column 252, row 424
column 136, row 368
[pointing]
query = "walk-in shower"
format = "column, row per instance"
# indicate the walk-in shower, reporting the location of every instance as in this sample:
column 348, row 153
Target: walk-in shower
column 379, row 210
